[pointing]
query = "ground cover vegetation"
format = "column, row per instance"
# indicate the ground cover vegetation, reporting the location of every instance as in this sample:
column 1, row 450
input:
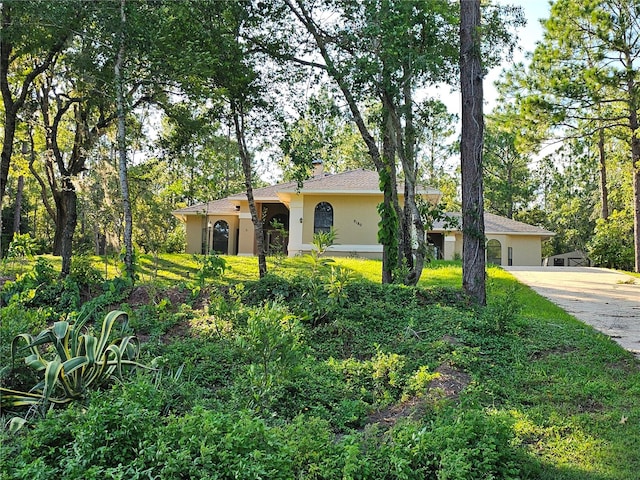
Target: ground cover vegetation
column 316, row 370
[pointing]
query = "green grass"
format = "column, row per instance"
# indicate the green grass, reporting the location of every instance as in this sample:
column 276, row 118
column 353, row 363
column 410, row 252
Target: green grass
column 568, row 393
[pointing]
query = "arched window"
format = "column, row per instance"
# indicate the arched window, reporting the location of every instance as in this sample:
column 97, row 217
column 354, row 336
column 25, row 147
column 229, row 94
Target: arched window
column 494, row 252
column 323, row 217
column 221, row 237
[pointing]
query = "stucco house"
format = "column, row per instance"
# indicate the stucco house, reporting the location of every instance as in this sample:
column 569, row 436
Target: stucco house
column 347, row 202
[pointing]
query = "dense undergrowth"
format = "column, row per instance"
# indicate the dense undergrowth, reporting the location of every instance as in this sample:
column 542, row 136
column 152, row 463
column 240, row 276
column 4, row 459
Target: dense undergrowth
column 319, row 372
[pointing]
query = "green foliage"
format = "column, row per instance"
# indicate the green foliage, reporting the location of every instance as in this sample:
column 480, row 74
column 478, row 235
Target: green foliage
column 272, row 342
column 42, row 287
column 612, row 243
column 84, row 272
column 22, row 247
column 211, row 266
column 77, row 362
column 500, row 315
column 539, row 395
column 321, row 242
column 388, row 225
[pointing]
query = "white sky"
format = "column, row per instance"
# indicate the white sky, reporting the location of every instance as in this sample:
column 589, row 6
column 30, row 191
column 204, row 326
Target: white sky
column 534, row 11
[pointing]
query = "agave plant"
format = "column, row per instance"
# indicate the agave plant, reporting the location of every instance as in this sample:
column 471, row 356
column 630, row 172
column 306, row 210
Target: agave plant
column 77, row 362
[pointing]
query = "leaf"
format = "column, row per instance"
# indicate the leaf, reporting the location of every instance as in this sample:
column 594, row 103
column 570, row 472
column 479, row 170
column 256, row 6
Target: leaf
column 51, row 375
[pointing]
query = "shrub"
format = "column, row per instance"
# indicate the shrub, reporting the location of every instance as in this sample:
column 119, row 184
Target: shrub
column 210, row 266
column 22, row 247
column 85, row 275
column 612, row 243
column 16, row 320
column 272, row 341
column 79, row 361
column 207, row 444
column 469, row 444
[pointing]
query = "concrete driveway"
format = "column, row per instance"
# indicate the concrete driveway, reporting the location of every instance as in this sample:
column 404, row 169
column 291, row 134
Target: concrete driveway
column 605, row 299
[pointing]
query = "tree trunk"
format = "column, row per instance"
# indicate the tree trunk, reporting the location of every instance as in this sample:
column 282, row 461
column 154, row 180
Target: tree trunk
column 604, row 192
column 473, row 262
column 69, row 202
column 10, row 109
column 17, row 213
column 122, row 150
column 59, row 221
column 415, row 228
column 635, row 155
column 238, row 120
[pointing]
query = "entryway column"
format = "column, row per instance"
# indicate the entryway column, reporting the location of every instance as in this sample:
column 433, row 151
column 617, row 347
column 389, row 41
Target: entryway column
column 449, row 247
column 296, row 225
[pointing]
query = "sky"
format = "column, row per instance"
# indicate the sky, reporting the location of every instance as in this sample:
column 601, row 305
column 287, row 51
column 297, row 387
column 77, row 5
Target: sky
column 534, row 11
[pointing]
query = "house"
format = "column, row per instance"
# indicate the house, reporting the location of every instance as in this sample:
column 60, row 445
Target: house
column 509, row 242
column 347, row 202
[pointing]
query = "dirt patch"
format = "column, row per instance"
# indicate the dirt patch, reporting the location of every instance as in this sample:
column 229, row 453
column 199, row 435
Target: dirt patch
column 139, row 296
column 177, row 296
column 388, row 417
column 178, row 331
column 447, row 386
column 451, row 381
column 143, row 295
column 563, row 350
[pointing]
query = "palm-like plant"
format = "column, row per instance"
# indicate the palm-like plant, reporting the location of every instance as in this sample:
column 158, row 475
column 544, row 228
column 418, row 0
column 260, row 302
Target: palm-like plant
column 77, row 362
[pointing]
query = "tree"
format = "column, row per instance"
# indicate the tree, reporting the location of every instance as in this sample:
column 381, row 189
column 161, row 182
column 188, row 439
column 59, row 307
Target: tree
column 385, row 50
column 201, row 153
column 321, row 132
column 435, row 126
column 122, row 142
column 508, row 182
column 218, row 66
column 589, row 58
column 68, row 164
column 473, row 251
column 33, row 35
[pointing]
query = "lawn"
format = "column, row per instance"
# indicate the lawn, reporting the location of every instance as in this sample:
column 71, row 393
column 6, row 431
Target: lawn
column 318, row 371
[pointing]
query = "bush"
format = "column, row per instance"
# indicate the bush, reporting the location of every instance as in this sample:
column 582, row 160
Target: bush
column 612, row 243
column 71, row 361
column 207, row 444
column 99, row 440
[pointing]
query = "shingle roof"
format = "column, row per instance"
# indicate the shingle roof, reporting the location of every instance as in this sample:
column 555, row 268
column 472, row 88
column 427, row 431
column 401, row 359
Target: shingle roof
column 224, row 205
column 353, row 181
column 495, row 224
column 264, row 193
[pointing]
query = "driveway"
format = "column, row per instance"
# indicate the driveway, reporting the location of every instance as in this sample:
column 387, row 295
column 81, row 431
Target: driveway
column 605, row 299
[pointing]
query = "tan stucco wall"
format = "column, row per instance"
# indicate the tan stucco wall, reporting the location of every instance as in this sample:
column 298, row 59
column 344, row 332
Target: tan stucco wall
column 246, row 245
column 195, row 224
column 193, row 231
column 526, row 249
column 355, row 219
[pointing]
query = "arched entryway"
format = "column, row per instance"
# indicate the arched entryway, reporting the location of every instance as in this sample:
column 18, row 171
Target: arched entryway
column 277, row 233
